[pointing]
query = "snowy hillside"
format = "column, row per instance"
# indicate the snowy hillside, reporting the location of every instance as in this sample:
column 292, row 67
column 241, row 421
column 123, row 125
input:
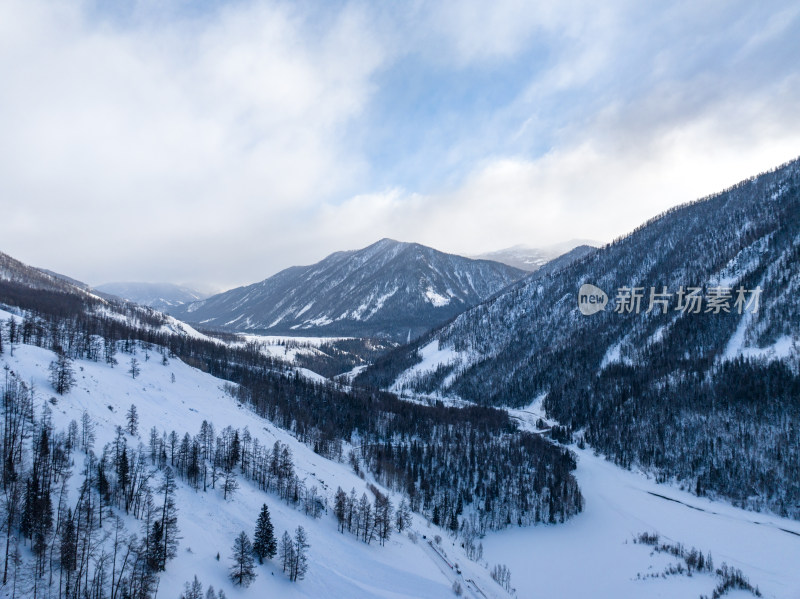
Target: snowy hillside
column 114, row 367
column 701, row 394
column 620, row 505
column 389, row 289
column 15, row 272
column 340, row 564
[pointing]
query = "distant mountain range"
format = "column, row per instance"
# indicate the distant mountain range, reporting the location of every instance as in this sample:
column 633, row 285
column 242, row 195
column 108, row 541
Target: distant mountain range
column 533, row 258
column 161, row 296
column 390, row 289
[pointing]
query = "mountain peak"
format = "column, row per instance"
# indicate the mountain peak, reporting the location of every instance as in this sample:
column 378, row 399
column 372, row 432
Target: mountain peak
column 388, row 289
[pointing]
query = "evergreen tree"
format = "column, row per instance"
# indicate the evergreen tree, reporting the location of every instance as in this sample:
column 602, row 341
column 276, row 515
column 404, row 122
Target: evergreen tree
column 69, row 546
column 340, row 508
column 264, row 543
column 453, row 525
column 132, row 418
column 243, row 569
column 62, row 374
column 155, row 546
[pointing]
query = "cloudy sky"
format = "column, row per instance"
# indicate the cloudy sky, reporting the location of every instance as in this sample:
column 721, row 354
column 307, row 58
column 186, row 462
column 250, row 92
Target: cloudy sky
column 218, row 142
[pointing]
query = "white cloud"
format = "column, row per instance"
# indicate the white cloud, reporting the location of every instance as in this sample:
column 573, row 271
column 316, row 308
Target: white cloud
column 177, row 137
column 223, row 146
column 613, row 178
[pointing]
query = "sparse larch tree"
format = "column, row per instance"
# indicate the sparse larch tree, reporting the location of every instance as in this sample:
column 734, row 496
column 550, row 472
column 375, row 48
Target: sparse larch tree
column 134, row 370
column 287, row 552
column 300, row 558
column 243, row 569
column 132, row 419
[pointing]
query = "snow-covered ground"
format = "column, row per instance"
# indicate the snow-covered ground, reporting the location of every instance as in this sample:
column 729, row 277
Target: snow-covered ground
column 287, row 348
column 592, row 555
column 433, row 356
column 341, row 566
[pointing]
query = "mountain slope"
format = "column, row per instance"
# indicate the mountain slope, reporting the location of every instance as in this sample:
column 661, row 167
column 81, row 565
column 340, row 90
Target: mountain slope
column 16, row 272
column 104, row 351
column 391, row 289
column 161, row 296
column 340, row 565
column 701, row 397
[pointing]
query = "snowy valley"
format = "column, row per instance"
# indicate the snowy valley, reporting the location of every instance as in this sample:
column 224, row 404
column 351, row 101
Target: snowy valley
column 172, row 396
column 493, row 457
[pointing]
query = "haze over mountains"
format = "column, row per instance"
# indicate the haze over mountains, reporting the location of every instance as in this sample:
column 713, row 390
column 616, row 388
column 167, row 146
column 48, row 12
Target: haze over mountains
column 531, row 258
column 161, row 296
column 388, row 289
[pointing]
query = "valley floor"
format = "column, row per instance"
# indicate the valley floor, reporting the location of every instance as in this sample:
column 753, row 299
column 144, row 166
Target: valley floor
column 593, row 554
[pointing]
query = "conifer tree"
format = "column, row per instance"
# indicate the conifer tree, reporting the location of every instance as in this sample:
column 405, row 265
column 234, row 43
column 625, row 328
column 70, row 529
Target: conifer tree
column 264, row 543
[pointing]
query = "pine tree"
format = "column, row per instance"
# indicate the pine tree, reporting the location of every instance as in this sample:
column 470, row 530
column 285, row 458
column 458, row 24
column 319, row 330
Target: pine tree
column 243, row 570
column 69, row 546
column 62, row 375
column 132, row 418
column 340, row 508
column 453, row 525
column 155, row 547
column 264, row 543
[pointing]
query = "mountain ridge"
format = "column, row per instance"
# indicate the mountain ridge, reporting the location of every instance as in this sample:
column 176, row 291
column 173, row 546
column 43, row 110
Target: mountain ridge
column 388, row 289
column 703, row 398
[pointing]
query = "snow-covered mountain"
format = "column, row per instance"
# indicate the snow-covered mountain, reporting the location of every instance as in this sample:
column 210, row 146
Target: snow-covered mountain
column 161, row 296
column 137, row 449
column 18, row 273
column 655, row 379
column 178, row 402
column 389, row 289
column 531, row 258
column 233, row 430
